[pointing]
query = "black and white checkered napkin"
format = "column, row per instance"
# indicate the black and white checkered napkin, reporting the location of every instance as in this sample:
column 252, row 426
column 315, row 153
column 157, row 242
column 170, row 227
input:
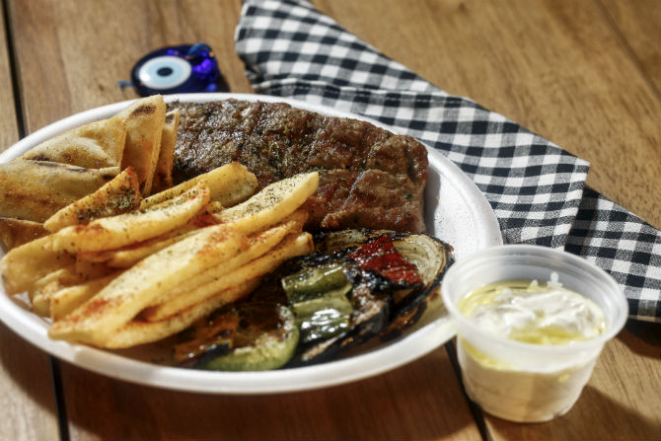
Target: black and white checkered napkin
column 536, row 189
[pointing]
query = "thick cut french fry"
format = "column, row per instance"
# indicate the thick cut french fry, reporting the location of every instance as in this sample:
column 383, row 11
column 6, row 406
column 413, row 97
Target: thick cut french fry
column 139, row 331
column 205, row 284
column 129, row 256
column 125, row 258
column 118, row 196
column 66, row 300
column 213, row 207
column 95, row 321
column 272, row 204
column 63, row 276
column 46, row 286
column 87, row 270
column 229, row 185
column 125, row 229
column 23, row 266
column 41, row 302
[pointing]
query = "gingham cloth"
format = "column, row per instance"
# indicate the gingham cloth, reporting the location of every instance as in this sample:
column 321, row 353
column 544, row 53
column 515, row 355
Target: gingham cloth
column 536, row 189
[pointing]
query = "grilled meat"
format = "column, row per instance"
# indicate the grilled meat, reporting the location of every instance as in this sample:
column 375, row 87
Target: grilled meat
column 369, row 177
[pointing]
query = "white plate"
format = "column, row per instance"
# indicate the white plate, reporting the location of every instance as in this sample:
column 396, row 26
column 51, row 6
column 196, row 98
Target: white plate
column 456, row 212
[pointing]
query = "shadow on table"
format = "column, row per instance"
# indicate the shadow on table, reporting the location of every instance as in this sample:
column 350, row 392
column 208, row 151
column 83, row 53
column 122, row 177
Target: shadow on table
column 643, row 338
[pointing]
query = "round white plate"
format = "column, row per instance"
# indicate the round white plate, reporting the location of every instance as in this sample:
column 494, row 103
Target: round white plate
column 456, row 212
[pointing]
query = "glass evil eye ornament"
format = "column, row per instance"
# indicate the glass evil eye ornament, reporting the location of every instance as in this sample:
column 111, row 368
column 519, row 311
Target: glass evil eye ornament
column 177, row 69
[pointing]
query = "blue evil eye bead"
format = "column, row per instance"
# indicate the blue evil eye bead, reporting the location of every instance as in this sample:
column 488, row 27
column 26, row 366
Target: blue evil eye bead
column 178, row 69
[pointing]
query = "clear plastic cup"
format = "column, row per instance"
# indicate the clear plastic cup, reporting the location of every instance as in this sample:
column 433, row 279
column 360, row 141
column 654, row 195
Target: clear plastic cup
column 526, row 382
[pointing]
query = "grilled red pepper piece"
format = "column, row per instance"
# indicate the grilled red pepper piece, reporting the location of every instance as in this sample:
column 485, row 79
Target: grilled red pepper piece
column 381, row 256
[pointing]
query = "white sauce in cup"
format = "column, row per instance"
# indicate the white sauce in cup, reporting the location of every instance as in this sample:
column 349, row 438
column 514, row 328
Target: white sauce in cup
column 528, row 312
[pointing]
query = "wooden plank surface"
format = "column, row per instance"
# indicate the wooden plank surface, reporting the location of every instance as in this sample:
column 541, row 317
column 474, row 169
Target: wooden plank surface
column 26, row 396
column 570, row 71
column 77, row 73
column 27, row 399
column 639, row 26
column 8, row 123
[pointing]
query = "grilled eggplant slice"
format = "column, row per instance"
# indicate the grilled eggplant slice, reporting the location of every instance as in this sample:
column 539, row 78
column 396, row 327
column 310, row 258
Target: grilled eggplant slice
column 431, row 256
column 389, row 295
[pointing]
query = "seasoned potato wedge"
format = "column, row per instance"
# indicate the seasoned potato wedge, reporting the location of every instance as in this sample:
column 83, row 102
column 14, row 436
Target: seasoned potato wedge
column 139, row 331
column 66, row 300
column 120, row 301
column 221, row 276
column 43, row 288
column 116, row 274
column 132, row 254
column 23, row 266
column 63, row 276
column 272, row 204
column 229, row 185
column 120, row 195
column 129, row 256
column 118, row 231
column 87, row 270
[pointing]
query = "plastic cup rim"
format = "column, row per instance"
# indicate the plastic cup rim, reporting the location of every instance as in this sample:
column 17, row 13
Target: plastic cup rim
column 496, row 251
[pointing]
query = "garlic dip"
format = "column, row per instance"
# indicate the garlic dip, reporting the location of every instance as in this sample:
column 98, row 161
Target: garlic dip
column 531, row 312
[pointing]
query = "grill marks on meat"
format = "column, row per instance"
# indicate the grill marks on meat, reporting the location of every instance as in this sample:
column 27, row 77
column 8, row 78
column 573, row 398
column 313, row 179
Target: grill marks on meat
column 369, row 177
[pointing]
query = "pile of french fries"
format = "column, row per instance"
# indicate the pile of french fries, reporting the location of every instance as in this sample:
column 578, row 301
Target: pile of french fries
column 122, row 280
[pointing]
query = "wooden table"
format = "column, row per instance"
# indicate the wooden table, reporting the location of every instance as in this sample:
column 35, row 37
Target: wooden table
column 584, row 74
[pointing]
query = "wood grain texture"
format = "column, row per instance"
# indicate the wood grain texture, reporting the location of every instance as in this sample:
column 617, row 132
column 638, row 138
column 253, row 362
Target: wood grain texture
column 8, row 123
column 421, row 401
column 639, row 25
column 26, row 395
column 27, row 398
column 74, row 53
column 556, row 67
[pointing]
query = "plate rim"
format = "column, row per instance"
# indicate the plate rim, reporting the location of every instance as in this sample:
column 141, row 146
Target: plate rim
column 401, row 352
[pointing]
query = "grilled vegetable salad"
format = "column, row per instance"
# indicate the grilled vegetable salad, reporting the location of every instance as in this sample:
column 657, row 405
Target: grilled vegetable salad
column 359, row 284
